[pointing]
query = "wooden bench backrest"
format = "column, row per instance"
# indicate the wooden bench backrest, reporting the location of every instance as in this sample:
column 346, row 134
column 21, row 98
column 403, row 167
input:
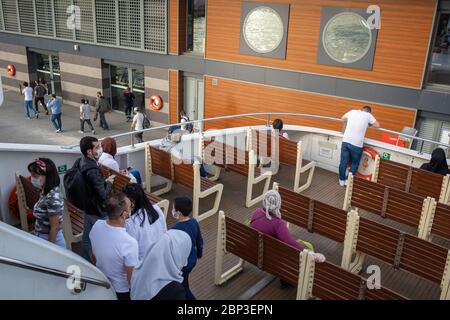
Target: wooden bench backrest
column 403, row 251
column 32, row 194
column 334, row 283
column 224, row 155
column 391, row 203
column 76, row 217
column 423, row 258
column 441, row 221
column 161, row 162
column 152, row 198
column 120, row 181
column 410, row 179
column 183, row 174
column 426, row 184
column 242, row 241
column 259, row 144
column 287, row 151
column 326, row 220
column 281, row 260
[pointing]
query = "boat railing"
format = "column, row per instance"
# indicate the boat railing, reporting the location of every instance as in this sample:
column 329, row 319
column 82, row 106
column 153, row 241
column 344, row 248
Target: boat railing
column 58, row 273
column 268, row 116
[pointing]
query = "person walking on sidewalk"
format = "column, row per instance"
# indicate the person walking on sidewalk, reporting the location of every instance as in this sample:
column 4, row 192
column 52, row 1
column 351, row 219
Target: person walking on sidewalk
column 55, row 106
column 27, row 92
column 85, row 116
column 138, row 124
column 39, row 93
column 128, row 97
column 102, row 106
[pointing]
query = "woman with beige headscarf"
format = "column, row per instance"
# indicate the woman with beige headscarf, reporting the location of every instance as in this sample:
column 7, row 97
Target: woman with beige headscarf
column 268, row 221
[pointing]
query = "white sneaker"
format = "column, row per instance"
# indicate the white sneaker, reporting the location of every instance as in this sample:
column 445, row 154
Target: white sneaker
column 342, row 183
column 79, row 131
column 346, row 182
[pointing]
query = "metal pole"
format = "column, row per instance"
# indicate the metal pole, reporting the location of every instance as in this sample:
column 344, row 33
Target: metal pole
column 132, row 141
column 268, row 121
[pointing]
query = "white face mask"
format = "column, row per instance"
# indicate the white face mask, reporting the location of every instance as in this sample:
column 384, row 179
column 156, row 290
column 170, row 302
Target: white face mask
column 98, row 153
column 175, row 214
column 36, row 182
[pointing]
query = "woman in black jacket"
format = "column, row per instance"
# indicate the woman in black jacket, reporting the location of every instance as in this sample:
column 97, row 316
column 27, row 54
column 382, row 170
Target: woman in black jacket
column 438, row 162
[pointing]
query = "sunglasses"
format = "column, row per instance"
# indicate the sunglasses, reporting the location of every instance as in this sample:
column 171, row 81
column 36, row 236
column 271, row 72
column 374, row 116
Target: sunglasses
column 41, row 165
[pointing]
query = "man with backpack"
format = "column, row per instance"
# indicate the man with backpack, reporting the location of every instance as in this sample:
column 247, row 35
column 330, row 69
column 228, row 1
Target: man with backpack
column 87, row 188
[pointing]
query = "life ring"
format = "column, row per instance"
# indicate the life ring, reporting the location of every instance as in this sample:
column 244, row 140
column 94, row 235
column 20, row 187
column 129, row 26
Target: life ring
column 367, row 164
column 11, row 70
column 156, row 103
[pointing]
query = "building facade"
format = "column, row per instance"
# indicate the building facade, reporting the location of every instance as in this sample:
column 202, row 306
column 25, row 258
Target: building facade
column 222, row 57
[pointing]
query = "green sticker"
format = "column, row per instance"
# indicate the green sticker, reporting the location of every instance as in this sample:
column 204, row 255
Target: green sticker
column 62, row 169
column 387, row 156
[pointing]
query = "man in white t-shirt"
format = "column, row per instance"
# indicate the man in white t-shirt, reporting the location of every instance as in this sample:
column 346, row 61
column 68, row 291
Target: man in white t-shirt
column 114, row 251
column 357, row 122
column 85, row 116
column 27, row 92
column 138, row 124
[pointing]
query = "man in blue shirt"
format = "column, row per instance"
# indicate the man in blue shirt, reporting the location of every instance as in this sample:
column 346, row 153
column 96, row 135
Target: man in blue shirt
column 55, row 105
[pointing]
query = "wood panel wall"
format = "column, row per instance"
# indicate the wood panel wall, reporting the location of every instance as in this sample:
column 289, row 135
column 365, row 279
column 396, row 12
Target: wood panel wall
column 173, row 26
column 174, row 76
column 230, row 97
column 400, row 54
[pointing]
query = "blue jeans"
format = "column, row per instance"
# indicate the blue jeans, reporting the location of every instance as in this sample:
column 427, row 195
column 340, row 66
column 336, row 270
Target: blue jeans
column 28, row 105
column 56, row 120
column 88, row 222
column 60, row 241
column 103, row 123
column 350, row 153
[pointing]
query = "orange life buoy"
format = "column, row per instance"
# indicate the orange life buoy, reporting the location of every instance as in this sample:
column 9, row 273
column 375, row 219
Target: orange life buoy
column 156, row 103
column 367, row 164
column 11, row 70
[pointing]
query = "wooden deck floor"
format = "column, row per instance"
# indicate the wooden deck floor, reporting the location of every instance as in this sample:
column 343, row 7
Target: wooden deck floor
column 324, row 188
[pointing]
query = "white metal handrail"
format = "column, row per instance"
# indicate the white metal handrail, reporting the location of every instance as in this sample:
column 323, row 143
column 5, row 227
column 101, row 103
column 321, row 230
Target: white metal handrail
column 58, row 273
column 268, row 117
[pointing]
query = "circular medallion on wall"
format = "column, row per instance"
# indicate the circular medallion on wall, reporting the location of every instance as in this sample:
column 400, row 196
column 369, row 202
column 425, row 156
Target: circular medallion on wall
column 263, row 29
column 347, row 37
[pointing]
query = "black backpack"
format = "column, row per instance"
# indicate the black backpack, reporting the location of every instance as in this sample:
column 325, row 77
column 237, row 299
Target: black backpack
column 75, row 186
column 145, row 122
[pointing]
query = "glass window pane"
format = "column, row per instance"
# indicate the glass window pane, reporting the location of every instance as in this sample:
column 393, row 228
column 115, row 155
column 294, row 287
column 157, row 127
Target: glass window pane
column 439, row 72
column 138, row 80
column 55, row 64
column 43, row 62
column 119, row 76
column 196, row 26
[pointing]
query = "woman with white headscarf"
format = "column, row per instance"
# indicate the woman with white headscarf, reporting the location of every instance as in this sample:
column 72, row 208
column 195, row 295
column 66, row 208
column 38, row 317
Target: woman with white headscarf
column 268, row 221
column 159, row 275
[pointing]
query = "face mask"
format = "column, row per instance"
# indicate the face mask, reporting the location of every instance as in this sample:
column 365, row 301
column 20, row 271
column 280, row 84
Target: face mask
column 36, row 182
column 98, row 153
column 175, row 214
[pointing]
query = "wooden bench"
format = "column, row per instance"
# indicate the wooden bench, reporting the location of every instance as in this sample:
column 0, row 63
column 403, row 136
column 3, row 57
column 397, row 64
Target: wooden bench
column 188, row 175
column 323, row 281
column 282, row 151
column 158, row 162
column 243, row 162
column 400, row 250
column 73, row 224
column 120, row 182
column 388, row 202
column 312, row 215
column 413, row 180
column 27, row 196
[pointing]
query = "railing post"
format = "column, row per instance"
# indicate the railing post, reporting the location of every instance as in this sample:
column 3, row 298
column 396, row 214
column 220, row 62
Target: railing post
column 268, row 121
column 132, row 141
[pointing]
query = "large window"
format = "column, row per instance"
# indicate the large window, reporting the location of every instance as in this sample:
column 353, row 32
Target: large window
column 196, row 26
column 439, row 71
column 47, row 69
column 432, row 127
column 123, row 77
column 138, row 24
